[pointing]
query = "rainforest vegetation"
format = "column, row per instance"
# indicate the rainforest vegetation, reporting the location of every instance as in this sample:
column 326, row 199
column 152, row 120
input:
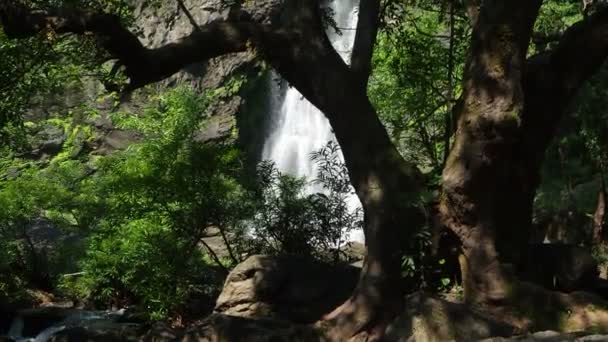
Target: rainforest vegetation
column 472, row 131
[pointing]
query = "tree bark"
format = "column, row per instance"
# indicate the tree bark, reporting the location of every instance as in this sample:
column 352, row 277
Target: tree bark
column 488, row 128
column 551, row 82
column 599, row 216
column 547, row 84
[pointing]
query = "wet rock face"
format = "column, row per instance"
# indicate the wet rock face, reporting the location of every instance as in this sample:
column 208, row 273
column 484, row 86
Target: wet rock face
column 157, row 23
column 291, row 288
column 166, row 23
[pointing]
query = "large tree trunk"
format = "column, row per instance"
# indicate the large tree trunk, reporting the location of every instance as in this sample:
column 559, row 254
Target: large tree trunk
column 551, row 81
column 387, row 187
column 510, row 114
column 599, row 217
column 488, row 128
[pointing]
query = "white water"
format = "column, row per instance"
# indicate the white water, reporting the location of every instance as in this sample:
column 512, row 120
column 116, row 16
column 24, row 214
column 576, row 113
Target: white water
column 78, row 318
column 299, row 128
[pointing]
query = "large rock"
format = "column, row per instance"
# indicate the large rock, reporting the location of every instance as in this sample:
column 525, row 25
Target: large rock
column 429, row 319
column 163, row 23
column 291, row 288
column 98, row 332
column 551, row 336
column 161, row 332
column 425, row 319
column 156, row 23
column 560, row 267
column 223, row 328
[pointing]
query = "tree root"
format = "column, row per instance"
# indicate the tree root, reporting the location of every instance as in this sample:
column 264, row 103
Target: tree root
column 359, row 319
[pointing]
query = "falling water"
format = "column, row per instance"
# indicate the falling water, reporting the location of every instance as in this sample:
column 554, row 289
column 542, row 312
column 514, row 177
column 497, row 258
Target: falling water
column 299, row 128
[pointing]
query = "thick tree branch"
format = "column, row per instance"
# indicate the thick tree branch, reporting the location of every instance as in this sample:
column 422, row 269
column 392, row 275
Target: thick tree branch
column 552, row 79
column 545, row 38
column 299, row 50
column 367, row 29
column 142, row 65
column 582, row 49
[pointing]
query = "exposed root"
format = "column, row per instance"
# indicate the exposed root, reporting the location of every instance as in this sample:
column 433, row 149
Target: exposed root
column 359, row 319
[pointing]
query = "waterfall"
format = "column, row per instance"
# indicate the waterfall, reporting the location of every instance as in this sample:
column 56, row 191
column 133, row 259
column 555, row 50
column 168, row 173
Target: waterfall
column 298, row 127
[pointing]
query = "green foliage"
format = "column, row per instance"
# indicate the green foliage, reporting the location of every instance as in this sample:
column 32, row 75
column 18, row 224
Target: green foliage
column 138, row 215
column 576, row 161
column 34, row 70
column 147, row 262
column 290, row 220
column 159, row 197
column 33, row 195
column 554, row 18
column 416, row 79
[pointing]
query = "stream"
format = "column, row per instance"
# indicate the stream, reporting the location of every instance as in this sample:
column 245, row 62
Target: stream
column 69, row 318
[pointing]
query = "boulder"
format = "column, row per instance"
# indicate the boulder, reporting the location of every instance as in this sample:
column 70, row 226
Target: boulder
column 429, row 319
column 51, row 140
column 550, row 336
column 222, row 328
column 292, row 288
column 98, row 332
column 425, row 319
column 161, row 332
column 560, row 267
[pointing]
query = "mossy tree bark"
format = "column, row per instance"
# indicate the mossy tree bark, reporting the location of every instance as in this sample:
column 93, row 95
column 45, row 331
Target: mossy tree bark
column 488, row 128
column 511, row 109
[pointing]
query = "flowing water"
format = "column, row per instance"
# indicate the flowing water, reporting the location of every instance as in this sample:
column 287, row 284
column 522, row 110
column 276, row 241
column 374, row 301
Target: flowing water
column 77, row 318
column 298, row 127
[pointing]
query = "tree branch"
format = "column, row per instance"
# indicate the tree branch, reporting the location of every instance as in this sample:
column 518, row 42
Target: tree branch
column 365, row 39
column 545, row 38
column 552, row 79
column 582, row 49
column 299, row 50
column 142, row 65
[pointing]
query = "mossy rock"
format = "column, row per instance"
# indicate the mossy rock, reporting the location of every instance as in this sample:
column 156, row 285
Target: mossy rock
column 534, row 308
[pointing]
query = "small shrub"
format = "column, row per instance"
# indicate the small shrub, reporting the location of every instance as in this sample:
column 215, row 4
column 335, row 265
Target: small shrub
column 289, row 220
column 144, row 262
